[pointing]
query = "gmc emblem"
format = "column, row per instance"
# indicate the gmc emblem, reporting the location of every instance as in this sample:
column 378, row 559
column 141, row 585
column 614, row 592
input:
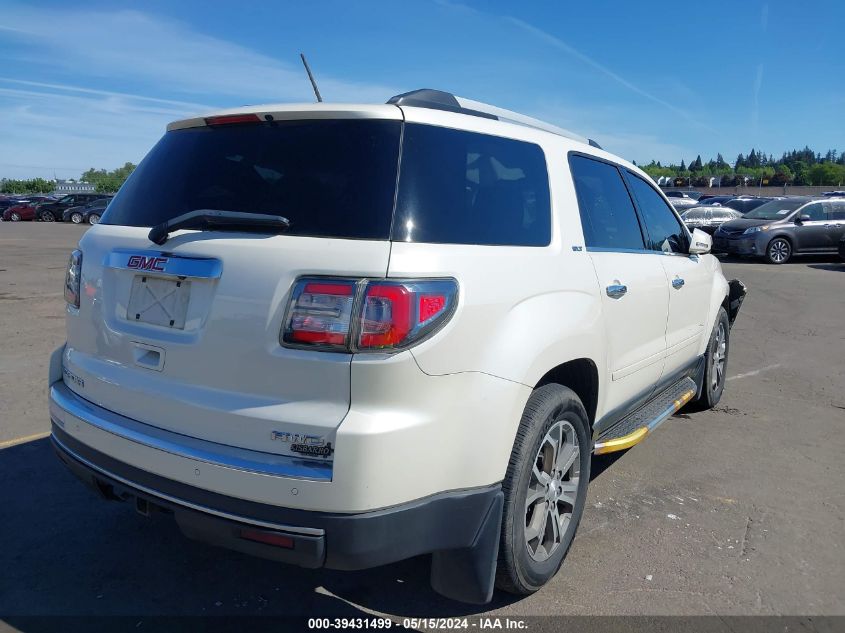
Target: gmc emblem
column 140, row 262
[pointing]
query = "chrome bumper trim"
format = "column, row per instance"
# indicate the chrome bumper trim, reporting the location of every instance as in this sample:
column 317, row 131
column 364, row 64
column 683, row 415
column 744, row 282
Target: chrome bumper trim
column 65, row 403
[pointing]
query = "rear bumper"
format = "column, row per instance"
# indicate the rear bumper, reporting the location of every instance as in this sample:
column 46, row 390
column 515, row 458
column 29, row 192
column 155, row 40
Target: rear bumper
column 451, row 521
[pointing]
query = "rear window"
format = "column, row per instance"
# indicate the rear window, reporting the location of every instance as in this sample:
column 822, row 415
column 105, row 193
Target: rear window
column 458, row 187
column 338, row 178
column 330, row 178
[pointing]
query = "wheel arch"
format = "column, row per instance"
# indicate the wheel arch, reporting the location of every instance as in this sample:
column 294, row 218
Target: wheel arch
column 783, row 235
column 582, row 376
column 719, row 297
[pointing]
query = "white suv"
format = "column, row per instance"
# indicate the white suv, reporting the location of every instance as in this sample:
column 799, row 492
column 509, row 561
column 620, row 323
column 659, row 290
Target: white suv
column 345, row 335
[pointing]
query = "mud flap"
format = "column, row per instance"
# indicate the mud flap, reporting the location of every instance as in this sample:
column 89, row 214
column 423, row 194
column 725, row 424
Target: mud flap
column 736, row 295
column 469, row 574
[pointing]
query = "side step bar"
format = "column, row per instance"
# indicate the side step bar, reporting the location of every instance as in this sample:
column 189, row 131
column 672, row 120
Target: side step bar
column 633, row 428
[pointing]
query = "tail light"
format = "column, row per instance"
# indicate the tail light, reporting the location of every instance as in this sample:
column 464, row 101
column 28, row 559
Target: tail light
column 366, row 315
column 72, row 278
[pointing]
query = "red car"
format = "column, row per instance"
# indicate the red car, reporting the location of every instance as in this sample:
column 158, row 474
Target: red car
column 17, row 213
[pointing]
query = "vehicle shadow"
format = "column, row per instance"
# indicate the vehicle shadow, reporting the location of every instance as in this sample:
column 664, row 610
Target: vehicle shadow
column 67, row 552
column 840, row 267
column 822, row 262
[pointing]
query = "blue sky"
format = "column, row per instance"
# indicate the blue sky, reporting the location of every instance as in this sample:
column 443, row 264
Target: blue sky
column 93, row 84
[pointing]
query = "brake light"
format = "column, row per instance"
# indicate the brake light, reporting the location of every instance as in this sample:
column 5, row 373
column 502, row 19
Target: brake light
column 232, row 119
column 73, row 277
column 384, row 314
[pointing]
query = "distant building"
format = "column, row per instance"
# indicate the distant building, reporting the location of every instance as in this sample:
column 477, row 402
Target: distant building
column 64, row 187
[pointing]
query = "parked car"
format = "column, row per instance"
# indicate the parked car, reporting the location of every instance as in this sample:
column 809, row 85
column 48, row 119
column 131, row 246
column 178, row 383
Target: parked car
column 681, row 204
column 782, row 228
column 744, row 204
column 52, row 211
column 708, row 218
column 397, row 366
column 20, row 212
column 676, row 193
column 834, row 194
column 89, row 213
column 715, row 200
column 22, row 209
column 6, row 202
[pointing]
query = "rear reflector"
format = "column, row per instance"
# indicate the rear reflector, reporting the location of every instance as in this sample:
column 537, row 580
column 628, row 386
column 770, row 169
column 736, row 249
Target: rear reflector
column 268, row 538
column 232, row 119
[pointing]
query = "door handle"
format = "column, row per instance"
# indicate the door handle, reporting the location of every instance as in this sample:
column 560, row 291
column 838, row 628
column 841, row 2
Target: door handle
column 616, row 291
column 677, row 283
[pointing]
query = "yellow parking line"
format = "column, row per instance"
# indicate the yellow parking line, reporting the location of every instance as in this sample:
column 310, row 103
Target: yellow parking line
column 24, row 440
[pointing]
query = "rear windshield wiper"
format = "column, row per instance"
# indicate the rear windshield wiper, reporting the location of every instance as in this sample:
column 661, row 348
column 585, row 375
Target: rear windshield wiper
column 213, row 220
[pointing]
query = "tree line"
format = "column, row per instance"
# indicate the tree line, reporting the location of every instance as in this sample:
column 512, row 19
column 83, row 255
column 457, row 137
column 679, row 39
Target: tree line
column 797, row 167
column 105, row 181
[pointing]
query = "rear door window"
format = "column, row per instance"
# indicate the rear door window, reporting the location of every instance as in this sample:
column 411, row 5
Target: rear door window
column 330, row 178
column 836, row 209
column 458, row 187
column 665, row 232
column 608, row 217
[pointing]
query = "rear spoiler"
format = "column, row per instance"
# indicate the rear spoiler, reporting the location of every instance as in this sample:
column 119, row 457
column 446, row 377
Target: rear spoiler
column 736, row 295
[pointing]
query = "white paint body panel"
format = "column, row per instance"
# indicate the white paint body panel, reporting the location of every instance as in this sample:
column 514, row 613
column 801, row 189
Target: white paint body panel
column 441, row 416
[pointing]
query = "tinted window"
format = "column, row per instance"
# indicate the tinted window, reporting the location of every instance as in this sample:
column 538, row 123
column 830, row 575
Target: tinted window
column 607, row 213
column 815, row 211
column 776, row 209
column 665, row 233
column 330, row 178
column 836, row 209
column 459, row 187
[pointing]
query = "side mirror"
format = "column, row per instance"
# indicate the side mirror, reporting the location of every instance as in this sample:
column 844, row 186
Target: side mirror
column 702, row 243
column 802, row 218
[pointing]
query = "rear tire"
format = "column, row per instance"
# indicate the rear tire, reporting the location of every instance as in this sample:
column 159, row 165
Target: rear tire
column 538, row 528
column 779, row 251
column 76, row 218
column 46, row 216
column 715, row 363
column 16, row 217
column 93, row 219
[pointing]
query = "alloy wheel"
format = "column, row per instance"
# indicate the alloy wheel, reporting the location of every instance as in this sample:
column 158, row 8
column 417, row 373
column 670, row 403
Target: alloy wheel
column 719, row 355
column 552, row 490
column 93, row 218
column 76, row 218
column 47, row 217
column 779, row 251
column 16, row 217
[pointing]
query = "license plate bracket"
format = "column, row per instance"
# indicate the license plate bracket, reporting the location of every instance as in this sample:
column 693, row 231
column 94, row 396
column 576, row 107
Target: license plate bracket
column 161, row 301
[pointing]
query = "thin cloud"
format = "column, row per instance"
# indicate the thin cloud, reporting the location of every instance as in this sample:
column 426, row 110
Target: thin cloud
column 169, row 55
column 62, row 126
column 561, row 45
column 105, row 93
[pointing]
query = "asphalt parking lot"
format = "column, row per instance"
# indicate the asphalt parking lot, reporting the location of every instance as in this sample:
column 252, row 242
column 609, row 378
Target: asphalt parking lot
column 740, row 510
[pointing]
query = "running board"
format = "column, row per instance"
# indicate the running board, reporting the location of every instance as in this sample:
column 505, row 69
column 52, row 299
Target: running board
column 633, row 428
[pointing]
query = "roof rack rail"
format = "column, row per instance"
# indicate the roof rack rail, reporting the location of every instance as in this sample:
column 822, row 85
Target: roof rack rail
column 440, row 100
